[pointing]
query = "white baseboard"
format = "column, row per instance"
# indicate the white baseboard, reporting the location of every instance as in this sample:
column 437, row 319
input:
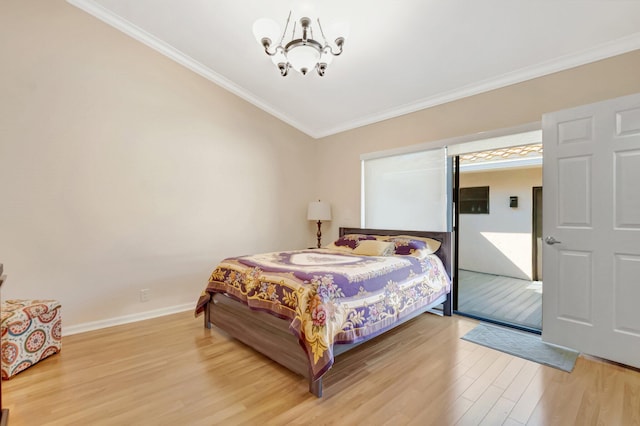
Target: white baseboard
column 125, row 319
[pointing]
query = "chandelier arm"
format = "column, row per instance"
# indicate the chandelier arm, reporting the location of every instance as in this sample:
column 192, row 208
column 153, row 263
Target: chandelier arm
column 330, row 49
column 267, row 44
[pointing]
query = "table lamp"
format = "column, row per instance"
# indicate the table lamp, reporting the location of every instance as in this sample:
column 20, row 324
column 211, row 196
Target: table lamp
column 319, row 210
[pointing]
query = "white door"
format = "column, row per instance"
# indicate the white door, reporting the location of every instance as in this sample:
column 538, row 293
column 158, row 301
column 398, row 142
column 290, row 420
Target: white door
column 591, row 207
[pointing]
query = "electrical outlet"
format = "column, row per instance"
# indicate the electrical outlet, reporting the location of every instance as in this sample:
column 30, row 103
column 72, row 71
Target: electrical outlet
column 145, row 296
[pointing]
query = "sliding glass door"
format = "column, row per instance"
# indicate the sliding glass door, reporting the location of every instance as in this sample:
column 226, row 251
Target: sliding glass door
column 497, row 261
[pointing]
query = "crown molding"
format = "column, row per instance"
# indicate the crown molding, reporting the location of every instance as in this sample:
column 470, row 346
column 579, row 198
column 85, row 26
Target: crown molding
column 118, row 22
column 599, row 52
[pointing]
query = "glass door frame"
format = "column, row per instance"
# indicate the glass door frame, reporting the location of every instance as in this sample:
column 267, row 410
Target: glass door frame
column 456, row 240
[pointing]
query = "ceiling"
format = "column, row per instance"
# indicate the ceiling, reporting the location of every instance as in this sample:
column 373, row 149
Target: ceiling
column 400, row 57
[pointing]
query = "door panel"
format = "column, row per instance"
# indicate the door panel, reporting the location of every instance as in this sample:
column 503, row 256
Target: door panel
column 627, row 294
column 628, row 122
column 575, row 294
column 574, row 189
column 592, row 207
column 627, row 197
column 574, row 131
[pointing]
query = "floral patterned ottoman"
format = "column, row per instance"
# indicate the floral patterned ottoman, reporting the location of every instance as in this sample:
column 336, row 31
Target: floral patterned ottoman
column 31, row 330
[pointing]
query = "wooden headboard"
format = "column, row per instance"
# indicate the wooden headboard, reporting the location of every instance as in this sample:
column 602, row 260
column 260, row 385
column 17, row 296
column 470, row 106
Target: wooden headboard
column 444, row 252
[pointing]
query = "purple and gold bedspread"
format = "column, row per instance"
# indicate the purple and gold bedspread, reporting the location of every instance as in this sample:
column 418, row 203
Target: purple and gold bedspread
column 329, row 296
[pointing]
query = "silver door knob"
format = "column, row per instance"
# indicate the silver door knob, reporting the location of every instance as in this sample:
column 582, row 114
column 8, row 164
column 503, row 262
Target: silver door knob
column 551, row 241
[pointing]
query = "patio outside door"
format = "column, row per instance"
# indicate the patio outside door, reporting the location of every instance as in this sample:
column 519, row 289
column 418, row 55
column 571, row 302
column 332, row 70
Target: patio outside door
column 496, row 266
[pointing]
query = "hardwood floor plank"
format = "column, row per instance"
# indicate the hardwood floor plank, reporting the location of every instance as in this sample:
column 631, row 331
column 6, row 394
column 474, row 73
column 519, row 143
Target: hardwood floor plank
column 562, row 397
column 487, row 377
column 457, row 410
column 530, row 397
column 170, row 370
column 487, row 359
column 509, row 373
column 498, row 413
column 521, row 381
column 474, row 415
column 631, row 404
column 477, row 353
column 611, row 396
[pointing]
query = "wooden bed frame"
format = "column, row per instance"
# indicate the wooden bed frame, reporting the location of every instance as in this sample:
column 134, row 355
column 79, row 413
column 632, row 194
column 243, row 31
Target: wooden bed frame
column 270, row 335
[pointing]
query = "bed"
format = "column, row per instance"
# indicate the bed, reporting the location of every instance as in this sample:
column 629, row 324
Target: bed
column 303, row 308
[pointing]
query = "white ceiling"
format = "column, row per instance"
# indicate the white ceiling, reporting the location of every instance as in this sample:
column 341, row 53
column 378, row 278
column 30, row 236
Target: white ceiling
column 401, row 56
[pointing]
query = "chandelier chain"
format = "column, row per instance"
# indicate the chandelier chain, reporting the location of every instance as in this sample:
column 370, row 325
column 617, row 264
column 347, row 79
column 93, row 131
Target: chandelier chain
column 286, row 26
column 324, row 38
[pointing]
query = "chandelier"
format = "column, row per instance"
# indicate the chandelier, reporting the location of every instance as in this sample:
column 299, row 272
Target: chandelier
column 303, row 53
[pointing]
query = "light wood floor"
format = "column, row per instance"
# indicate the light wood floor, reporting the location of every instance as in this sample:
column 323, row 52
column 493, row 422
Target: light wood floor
column 500, row 298
column 171, row 370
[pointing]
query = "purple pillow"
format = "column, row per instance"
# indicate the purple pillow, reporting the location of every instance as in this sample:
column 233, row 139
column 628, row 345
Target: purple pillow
column 351, row 240
column 406, row 246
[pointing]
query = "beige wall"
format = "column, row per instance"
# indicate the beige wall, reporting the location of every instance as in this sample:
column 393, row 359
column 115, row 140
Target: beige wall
column 500, row 242
column 339, row 155
column 122, row 170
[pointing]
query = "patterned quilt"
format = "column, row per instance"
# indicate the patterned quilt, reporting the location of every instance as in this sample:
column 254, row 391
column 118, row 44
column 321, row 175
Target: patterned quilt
column 330, row 296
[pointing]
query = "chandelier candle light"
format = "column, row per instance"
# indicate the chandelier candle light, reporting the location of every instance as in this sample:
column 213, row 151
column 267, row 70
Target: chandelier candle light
column 303, row 53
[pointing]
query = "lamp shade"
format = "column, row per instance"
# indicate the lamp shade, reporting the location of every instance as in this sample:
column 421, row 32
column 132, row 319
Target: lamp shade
column 339, row 29
column 319, row 210
column 265, row 27
column 303, row 57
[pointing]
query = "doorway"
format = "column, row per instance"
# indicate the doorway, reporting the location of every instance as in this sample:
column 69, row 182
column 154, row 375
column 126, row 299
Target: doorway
column 499, row 214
